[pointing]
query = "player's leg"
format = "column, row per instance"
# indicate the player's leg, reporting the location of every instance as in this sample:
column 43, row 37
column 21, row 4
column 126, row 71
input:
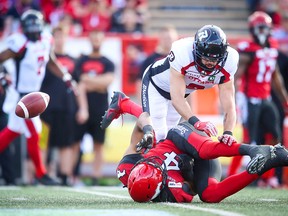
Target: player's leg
column 207, row 181
column 98, row 135
column 199, row 145
column 11, row 131
column 157, row 107
column 31, row 130
column 120, row 104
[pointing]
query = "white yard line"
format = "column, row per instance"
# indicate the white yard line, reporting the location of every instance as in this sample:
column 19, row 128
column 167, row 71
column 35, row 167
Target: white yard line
column 178, row 205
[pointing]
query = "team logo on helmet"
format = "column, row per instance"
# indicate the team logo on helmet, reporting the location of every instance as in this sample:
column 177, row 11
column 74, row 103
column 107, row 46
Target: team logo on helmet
column 171, row 56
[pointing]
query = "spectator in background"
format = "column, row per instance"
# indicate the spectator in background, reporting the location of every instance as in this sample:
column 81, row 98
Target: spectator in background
column 54, row 10
column 60, row 115
column 259, row 72
column 96, row 73
column 12, row 22
column 166, row 36
column 281, row 34
column 97, row 17
column 121, row 19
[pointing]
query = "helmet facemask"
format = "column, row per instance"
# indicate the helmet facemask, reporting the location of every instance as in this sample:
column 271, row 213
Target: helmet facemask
column 260, row 25
column 32, row 24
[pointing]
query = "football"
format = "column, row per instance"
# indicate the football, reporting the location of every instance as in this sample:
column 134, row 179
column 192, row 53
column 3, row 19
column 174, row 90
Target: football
column 32, row 104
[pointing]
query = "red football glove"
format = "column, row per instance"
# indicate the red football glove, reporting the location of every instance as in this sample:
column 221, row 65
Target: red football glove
column 207, row 127
column 227, row 138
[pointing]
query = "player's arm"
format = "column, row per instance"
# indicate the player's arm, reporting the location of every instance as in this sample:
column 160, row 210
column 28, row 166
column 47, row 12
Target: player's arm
column 177, row 92
column 98, row 83
column 142, row 136
column 227, row 100
column 7, row 54
column 82, row 112
column 57, row 70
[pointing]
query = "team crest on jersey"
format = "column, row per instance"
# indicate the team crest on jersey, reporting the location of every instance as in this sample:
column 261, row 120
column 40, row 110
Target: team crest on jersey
column 120, row 174
column 211, row 78
column 171, row 56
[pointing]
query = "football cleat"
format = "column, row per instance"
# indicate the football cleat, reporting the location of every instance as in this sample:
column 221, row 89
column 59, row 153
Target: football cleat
column 279, row 159
column 47, row 180
column 259, row 156
column 114, row 110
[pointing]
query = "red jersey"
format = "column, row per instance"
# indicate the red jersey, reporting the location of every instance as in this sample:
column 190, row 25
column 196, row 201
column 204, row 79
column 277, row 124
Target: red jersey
column 167, row 151
column 258, row 76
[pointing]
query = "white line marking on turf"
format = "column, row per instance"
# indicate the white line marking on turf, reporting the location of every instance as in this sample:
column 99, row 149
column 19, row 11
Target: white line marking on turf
column 269, row 200
column 210, row 210
column 178, row 205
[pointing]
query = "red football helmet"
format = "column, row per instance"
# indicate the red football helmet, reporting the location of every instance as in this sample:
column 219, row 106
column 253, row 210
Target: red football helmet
column 260, row 25
column 146, row 180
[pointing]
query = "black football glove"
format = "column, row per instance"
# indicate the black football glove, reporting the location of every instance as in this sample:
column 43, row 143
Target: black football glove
column 146, row 143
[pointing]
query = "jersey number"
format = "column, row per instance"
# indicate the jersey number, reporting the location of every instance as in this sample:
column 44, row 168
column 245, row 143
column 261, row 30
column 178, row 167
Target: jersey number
column 170, row 161
column 40, row 61
column 266, row 68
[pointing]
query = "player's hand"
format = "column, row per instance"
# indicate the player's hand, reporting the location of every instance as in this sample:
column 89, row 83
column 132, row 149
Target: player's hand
column 5, row 81
column 146, row 143
column 82, row 116
column 227, row 138
column 207, row 127
column 70, row 83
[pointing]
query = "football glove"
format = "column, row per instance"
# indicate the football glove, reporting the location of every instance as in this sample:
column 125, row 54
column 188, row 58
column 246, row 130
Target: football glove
column 207, row 127
column 227, row 138
column 146, row 143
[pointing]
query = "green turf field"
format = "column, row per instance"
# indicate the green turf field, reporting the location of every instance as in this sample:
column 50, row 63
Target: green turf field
column 89, row 201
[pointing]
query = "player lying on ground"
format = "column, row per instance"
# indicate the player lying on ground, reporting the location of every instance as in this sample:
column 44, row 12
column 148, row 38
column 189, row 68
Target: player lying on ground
column 156, row 175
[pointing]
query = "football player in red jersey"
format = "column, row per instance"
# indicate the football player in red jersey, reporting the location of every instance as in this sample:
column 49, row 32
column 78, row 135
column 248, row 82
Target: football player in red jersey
column 31, row 52
column 167, row 173
column 258, row 71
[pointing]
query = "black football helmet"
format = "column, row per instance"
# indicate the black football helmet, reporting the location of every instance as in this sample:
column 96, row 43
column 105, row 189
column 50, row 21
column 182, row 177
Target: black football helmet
column 32, row 24
column 260, row 26
column 210, row 42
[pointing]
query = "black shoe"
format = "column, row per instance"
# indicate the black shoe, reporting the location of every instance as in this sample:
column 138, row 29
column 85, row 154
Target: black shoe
column 280, row 159
column 114, row 110
column 47, row 180
column 259, row 156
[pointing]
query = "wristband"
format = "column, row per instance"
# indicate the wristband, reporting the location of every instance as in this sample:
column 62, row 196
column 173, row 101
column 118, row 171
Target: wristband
column 228, row 133
column 192, row 120
column 147, row 129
